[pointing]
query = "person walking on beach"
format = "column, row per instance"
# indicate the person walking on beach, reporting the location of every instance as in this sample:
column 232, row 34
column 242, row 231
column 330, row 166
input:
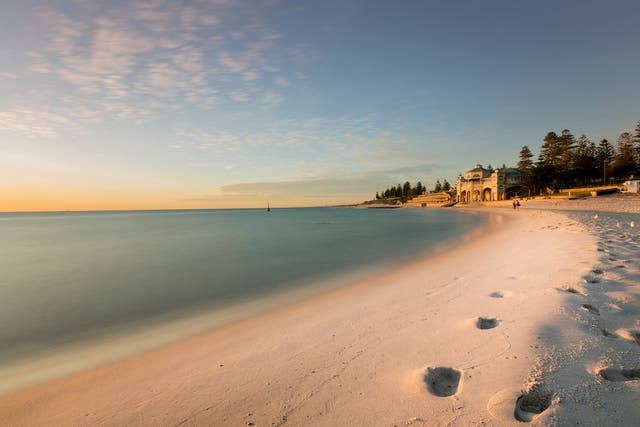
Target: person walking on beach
column 514, row 205
column 517, row 205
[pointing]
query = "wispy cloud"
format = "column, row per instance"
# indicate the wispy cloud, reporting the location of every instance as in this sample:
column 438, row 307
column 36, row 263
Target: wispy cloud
column 216, row 141
column 282, row 82
column 131, row 61
column 251, row 75
column 271, row 98
column 234, row 65
column 323, row 146
column 34, row 123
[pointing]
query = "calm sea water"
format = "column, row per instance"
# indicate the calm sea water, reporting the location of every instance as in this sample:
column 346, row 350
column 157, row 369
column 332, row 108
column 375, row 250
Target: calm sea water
column 67, row 277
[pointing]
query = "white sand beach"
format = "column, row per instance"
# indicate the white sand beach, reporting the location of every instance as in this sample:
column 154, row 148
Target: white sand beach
column 543, row 306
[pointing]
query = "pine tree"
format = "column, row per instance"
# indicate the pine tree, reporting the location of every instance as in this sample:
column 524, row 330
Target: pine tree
column 419, row 189
column 526, row 168
column 605, row 154
column 525, row 163
column 406, row 190
column 438, row 187
column 550, row 150
column 547, row 173
column 584, row 161
column 566, row 147
column 636, row 143
column 446, row 186
column 624, row 162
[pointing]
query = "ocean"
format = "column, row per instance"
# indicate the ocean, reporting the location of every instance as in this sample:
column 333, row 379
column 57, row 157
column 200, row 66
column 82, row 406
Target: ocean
column 71, row 277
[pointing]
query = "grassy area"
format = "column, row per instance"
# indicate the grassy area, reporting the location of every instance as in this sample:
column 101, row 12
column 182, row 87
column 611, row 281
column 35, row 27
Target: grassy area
column 584, row 191
column 588, row 190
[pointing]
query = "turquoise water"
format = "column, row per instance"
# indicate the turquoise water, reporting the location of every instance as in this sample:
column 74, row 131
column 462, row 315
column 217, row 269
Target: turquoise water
column 68, row 277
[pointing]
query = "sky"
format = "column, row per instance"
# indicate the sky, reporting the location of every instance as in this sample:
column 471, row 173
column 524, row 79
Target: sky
column 217, row 103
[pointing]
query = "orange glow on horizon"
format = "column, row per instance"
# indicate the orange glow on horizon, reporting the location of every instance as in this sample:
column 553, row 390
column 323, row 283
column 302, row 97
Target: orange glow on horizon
column 94, row 201
column 46, row 192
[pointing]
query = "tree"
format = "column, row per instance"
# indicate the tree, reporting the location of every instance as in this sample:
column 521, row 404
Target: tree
column 566, row 146
column 605, row 154
column 547, row 172
column 438, row 187
column 584, row 161
column 542, row 178
column 550, row 150
column 526, row 168
column 525, row 163
column 377, row 196
column 446, row 186
column 406, row 190
column 419, row 189
column 625, row 161
column 636, row 143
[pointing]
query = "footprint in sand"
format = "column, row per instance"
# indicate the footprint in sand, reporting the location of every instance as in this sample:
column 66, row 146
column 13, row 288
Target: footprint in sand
column 500, row 294
column 616, row 375
column 487, row 323
column 613, row 307
column 591, row 309
column 608, row 333
column 532, row 403
column 597, row 271
column 442, row 381
column 629, row 335
column 573, row 291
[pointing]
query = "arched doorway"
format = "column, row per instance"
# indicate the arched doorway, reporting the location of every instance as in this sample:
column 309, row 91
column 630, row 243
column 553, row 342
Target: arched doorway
column 516, row 191
column 486, row 194
column 476, row 196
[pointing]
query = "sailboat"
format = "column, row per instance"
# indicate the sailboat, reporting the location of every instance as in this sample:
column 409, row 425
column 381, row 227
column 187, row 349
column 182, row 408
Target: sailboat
column 268, row 208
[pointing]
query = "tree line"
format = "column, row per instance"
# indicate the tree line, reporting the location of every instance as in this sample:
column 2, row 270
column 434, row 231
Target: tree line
column 407, row 191
column 565, row 161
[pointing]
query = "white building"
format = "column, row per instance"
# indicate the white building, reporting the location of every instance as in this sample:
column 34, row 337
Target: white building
column 633, row 186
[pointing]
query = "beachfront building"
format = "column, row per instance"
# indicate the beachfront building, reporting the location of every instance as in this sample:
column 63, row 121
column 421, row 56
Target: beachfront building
column 481, row 185
column 429, row 200
column 633, row 186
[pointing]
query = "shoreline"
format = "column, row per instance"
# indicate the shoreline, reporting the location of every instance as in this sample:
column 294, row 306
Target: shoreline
column 112, row 344
column 361, row 354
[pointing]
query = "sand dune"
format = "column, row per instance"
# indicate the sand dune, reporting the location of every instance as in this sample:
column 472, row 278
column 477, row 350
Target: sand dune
column 528, row 323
